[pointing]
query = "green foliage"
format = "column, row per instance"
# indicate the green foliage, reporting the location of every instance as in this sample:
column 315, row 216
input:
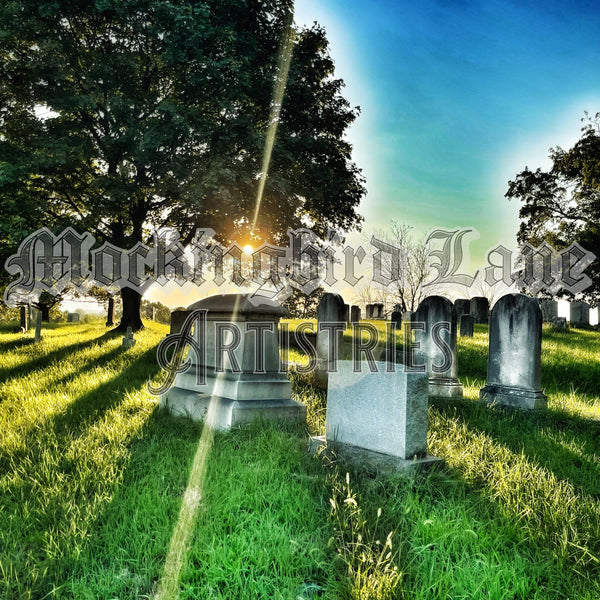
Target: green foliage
column 8, row 314
column 129, row 116
column 562, row 205
column 303, row 306
column 156, row 311
column 126, row 117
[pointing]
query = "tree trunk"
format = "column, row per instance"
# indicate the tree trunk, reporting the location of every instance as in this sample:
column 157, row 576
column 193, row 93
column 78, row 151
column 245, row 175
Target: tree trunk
column 111, row 312
column 45, row 310
column 132, row 302
column 24, row 323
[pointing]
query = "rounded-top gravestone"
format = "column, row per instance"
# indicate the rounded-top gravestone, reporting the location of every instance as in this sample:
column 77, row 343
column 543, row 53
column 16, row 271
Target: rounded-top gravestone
column 466, row 323
column 463, row 307
column 346, row 313
column 579, row 314
column 434, row 328
column 330, row 325
column 549, row 309
column 515, row 347
column 480, row 308
column 396, row 318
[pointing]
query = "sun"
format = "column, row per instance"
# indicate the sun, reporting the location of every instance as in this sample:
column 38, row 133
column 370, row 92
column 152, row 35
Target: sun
column 248, row 249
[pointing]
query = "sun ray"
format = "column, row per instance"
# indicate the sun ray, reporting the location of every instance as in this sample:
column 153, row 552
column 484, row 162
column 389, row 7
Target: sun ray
column 190, row 505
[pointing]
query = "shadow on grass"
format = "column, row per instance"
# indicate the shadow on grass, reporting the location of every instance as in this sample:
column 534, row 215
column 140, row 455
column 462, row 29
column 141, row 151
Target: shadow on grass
column 130, row 538
column 528, row 433
column 44, row 359
column 40, row 574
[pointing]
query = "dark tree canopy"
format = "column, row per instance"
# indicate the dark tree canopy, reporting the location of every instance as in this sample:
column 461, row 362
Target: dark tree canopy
column 562, row 205
column 120, row 117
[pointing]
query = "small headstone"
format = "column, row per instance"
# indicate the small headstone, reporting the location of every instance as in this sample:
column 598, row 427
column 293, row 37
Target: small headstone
column 480, row 308
column 467, row 323
column 347, row 313
column 331, row 310
column 579, row 314
column 549, row 309
column 38, row 326
column 354, row 314
column 128, row 341
column 378, row 311
column 178, row 318
column 463, row 307
column 560, row 324
column 378, row 419
column 439, row 318
column 369, row 311
column 397, row 319
column 515, row 347
column 72, row 317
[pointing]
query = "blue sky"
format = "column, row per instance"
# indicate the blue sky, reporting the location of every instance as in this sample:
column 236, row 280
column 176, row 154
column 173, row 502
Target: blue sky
column 456, row 98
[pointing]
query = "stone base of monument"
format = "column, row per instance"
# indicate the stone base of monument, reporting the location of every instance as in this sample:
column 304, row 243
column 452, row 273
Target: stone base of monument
column 236, row 378
column 445, row 387
column 513, row 396
column 371, row 461
column 223, row 413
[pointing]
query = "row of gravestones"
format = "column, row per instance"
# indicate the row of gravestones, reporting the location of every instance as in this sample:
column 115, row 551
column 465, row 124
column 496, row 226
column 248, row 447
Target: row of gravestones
column 381, row 412
column 579, row 313
column 380, row 418
column 514, row 360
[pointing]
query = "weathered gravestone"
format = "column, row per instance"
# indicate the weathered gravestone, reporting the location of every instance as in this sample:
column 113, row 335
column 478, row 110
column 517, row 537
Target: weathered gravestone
column 579, row 314
column 434, row 330
column 480, row 308
column 560, row 324
column 396, row 318
column 369, row 308
column 378, row 311
column 72, row 317
column 466, row 323
column 549, row 309
column 463, row 307
column 515, row 347
column 235, row 373
column 128, row 341
column 330, row 327
column 178, row 318
column 354, row 314
column 377, row 420
column 347, row 314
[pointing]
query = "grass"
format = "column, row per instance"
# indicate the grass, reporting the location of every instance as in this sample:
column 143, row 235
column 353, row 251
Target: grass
column 92, row 476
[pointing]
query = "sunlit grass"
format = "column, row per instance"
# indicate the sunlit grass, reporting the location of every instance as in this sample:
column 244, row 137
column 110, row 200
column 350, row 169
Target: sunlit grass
column 92, row 478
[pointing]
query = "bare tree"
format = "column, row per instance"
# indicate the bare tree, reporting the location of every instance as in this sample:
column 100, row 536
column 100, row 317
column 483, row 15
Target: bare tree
column 415, row 270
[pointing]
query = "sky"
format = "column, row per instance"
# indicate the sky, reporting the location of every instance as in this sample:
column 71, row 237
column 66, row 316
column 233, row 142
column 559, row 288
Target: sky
column 457, row 98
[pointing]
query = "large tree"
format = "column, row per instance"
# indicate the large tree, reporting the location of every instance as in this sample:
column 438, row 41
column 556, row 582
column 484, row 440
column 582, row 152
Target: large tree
column 562, row 205
column 123, row 116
